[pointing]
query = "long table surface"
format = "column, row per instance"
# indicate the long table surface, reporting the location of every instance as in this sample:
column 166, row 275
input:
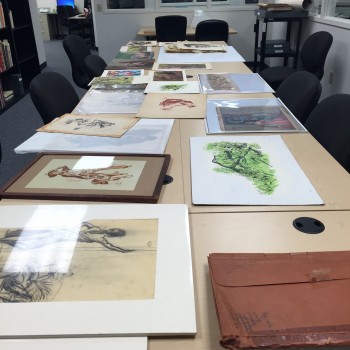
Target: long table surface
column 246, row 233
column 246, row 229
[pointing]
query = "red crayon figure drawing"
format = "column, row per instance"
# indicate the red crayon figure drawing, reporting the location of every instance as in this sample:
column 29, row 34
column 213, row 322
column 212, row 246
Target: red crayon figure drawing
column 169, row 103
column 100, row 176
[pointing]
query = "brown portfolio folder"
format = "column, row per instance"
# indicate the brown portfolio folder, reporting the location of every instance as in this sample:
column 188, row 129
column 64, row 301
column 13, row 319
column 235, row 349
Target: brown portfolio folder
column 282, row 300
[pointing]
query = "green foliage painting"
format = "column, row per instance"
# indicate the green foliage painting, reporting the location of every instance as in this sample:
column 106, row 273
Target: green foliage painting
column 247, row 160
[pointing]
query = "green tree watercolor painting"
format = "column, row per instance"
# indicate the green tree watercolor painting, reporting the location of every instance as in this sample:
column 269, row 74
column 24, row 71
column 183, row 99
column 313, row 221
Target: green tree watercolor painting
column 245, row 159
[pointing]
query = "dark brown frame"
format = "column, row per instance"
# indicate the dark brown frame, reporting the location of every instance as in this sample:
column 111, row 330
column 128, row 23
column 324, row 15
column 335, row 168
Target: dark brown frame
column 147, row 189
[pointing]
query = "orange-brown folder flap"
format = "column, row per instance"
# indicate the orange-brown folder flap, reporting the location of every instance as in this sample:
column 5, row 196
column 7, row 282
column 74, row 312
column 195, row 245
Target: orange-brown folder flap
column 282, row 300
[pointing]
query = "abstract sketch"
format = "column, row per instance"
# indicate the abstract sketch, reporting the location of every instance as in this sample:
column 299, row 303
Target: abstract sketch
column 245, row 159
column 170, row 103
column 97, row 260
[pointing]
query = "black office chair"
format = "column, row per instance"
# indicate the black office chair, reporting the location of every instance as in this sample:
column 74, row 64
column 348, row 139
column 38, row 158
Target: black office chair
column 313, row 56
column 95, row 65
column 300, row 92
column 329, row 123
column 212, row 30
column 171, row 28
column 53, row 95
column 77, row 50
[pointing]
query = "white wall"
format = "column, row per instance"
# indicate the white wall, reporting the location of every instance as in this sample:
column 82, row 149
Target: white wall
column 37, row 31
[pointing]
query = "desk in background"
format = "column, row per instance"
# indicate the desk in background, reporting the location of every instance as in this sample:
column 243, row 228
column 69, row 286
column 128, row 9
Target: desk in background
column 150, row 32
column 49, row 25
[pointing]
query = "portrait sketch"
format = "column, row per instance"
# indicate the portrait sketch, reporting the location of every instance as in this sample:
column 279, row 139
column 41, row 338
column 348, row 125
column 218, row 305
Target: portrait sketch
column 96, row 260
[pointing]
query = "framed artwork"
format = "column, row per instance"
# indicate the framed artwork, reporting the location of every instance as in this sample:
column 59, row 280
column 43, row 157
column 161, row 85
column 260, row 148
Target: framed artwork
column 98, row 125
column 130, row 64
column 99, row 270
column 247, row 170
column 91, row 177
column 250, row 115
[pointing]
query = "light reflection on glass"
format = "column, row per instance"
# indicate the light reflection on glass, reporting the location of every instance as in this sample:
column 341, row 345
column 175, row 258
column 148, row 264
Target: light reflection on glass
column 47, row 241
column 93, row 162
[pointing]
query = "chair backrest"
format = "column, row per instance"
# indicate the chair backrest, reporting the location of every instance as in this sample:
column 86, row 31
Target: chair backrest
column 300, row 92
column 77, row 50
column 212, row 30
column 314, row 52
column 329, row 123
column 53, row 95
column 171, row 28
column 95, row 65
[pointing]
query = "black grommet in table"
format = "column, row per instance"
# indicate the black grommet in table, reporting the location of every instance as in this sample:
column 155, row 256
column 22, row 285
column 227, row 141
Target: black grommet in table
column 167, row 180
column 308, row 225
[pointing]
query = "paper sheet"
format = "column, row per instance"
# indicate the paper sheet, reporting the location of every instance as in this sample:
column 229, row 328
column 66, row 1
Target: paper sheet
column 147, row 136
column 110, row 343
column 230, row 56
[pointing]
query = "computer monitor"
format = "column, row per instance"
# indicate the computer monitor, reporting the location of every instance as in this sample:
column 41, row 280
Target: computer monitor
column 65, row 2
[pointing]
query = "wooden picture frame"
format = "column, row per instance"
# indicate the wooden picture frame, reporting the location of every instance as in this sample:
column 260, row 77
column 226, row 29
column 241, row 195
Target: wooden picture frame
column 91, row 177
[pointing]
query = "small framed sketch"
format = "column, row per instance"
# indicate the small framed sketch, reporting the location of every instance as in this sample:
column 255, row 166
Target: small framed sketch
column 250, row 115
column 91, row 177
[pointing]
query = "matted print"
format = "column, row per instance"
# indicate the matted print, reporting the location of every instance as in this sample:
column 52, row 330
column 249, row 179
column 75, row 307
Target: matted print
column 111, row 267
column 123, row 73
column 215, row 83
column 142, row 43
column 168, row 75
column 97, row 125
column 247, row 170
column 175, row 87
column 185, row 106
column 98, row 177
column 250, row 115
column 112, row 80
column 130, row 64
column 166, row 66
column 134, row 55
column 135, row 48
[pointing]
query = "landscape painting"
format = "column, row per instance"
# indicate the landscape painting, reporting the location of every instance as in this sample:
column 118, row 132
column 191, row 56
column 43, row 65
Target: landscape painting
column 247, row 170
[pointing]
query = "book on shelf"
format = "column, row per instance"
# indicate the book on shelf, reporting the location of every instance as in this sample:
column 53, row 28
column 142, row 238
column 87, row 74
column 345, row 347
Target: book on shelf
column 275, row 7
column 2, row 16
column 6, row 61
column 2, row 99
column 11, row 19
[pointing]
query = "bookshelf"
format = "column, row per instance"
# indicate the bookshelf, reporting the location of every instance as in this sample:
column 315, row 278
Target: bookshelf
column 19, row 62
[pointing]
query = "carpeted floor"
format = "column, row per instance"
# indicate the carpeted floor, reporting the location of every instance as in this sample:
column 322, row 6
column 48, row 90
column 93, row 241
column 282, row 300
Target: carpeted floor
column 20, row 121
